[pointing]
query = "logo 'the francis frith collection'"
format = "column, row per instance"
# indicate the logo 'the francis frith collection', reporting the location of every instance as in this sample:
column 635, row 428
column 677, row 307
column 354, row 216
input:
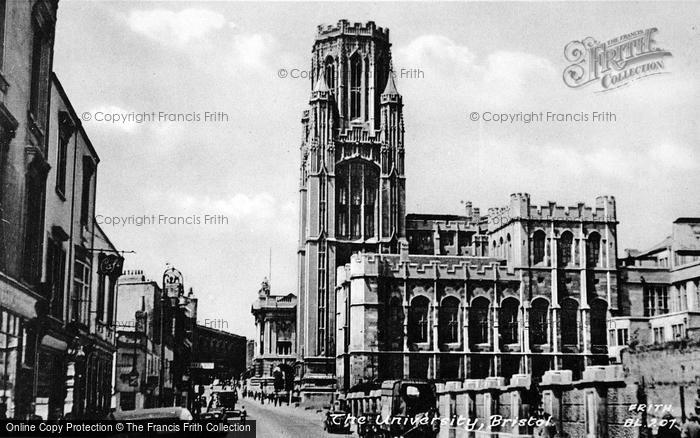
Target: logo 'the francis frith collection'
column 616, row 62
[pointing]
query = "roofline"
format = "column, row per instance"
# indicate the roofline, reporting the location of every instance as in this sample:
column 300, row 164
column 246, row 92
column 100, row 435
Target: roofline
column 106, row 237
column 687, row 220
column 200, row 327
column 74, row 115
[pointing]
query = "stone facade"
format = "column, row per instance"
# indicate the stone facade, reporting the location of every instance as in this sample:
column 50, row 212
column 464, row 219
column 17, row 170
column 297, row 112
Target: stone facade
column 276, row 342
column 535, row 297
column 661, row 290
column 352, row 188
column 522, row 288
column 26, row 61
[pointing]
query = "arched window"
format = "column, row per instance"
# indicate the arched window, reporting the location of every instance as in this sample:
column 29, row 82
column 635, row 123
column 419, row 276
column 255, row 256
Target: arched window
column 539, row 322
column 356, row 194
column 538, row 242
column 479, row 321
column 599, row 316
column 419, row 320
column 395, row 323
column 509, row 249
column 565, row 248
column 380, row 84
column 355, row 86
column 366, row 89
column 329, row 72
column 592, row 250
column 449, row 320
column 569, row 323
column 508, row 321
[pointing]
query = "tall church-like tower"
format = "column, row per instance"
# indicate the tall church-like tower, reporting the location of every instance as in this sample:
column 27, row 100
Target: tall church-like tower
column 352, row 182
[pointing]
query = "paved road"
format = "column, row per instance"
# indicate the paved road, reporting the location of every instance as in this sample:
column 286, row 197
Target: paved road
column 286, row 422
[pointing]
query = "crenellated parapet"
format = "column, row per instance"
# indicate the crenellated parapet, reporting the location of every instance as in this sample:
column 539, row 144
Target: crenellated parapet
column 427, row 267
column 344, row 27
column 519, row 208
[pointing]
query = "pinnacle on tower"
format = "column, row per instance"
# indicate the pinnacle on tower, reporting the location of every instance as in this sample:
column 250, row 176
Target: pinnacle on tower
column 321, row 84
column 390, row 84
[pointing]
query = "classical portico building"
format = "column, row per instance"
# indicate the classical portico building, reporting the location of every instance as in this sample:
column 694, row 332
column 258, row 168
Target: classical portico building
column 275, row 348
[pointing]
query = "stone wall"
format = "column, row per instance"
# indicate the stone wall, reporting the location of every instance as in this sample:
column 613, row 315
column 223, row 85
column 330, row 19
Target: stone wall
column 597, row 406
column 662, row 371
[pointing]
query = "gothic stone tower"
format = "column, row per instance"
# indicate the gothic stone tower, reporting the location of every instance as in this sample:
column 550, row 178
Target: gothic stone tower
column 352, row 184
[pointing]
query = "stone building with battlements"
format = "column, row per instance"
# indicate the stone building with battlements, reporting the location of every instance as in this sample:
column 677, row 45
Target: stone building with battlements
column 383, row 294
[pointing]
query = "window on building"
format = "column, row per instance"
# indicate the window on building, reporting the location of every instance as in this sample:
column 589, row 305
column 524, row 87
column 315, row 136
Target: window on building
column 420, row 242
column 611, row 338
column 479, row 321
column 56, row 276
column 655, row 300
column 395, row 324
column 88, row 169
column 322, row 298
column 355, row 87
column 509, row 249
column 569, row 323
column 101, row 292
column 81, row 289
column 539, row 322
column 683, row 290
column 659, row 336
column 10, row 333
column 126, row 359
column 40, row 64
column 449, row 320
column 592, row 250
column 111, row 297
column 419, row 320
column 366, row 90
column 622, row 336
column 329, row 72
column 33, row 233
column 678, row 331
column 284, row 348
column 380, row 85
column 357, row 185
column 538, row 242
column 564, row 248
column 3, row 7
column 599, row 316
column 508, row 321
column 65, row 131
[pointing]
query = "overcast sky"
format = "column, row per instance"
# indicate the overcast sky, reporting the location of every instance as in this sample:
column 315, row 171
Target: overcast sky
column 192, row 57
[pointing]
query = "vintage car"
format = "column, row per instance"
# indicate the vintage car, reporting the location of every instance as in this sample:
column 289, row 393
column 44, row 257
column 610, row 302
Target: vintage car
column 407, row 408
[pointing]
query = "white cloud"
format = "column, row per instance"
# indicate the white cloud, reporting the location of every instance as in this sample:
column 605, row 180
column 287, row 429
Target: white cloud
column 241, row 207
column 499, row 78
column 673, row 156
column 175, row 28
column 114, row 117
column 252, row 50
